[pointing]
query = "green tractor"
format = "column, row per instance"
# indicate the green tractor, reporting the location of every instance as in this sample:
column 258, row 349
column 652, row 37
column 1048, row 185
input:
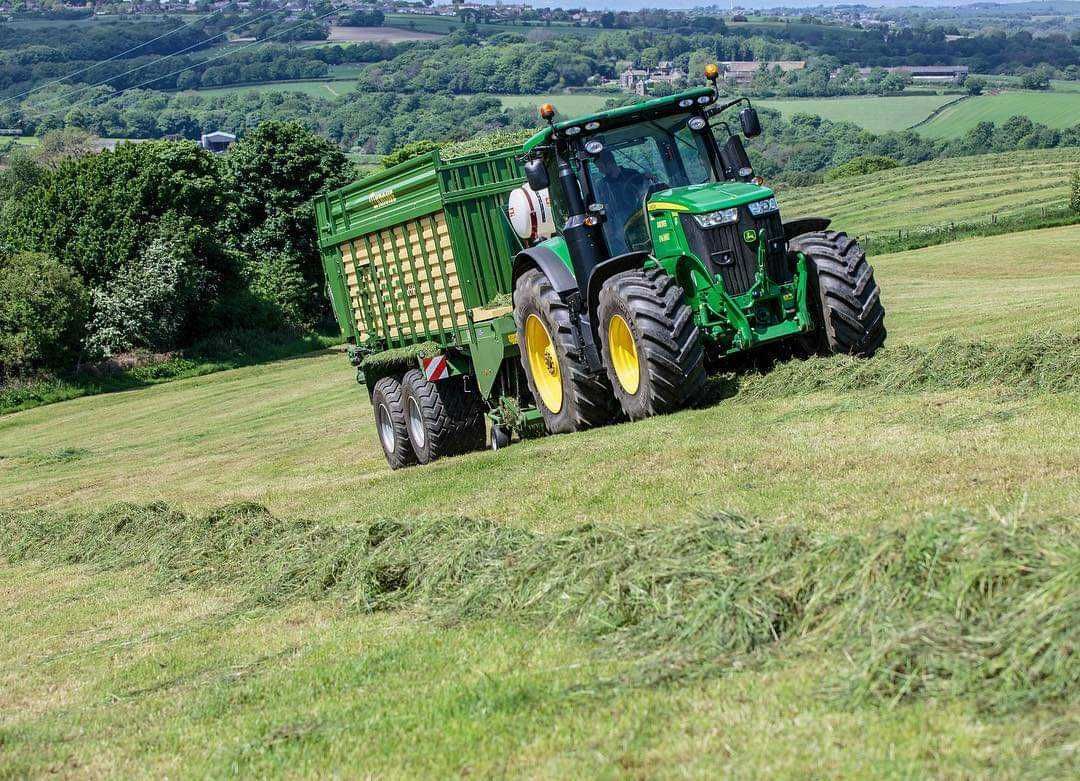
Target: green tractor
column 637, row 246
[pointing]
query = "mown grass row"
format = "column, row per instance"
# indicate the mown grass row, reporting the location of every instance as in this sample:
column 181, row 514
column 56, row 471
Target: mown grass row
column 1044, row 362
column 987, row 608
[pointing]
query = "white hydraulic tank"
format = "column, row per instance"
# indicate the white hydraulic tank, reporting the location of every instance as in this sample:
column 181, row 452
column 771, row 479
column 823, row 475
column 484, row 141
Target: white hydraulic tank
column 530, row 213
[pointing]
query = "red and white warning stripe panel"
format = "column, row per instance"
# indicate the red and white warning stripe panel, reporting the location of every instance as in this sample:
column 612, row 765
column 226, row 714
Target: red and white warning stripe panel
column 436, row 368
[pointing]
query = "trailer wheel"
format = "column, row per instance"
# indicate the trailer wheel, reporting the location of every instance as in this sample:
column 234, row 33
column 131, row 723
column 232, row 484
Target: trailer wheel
column 442, row 419
column 500, row 437
column 845, row 300
column 569, row 397
column 651, row 347
column 389, row 408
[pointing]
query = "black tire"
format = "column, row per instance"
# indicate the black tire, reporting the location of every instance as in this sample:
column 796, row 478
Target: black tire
column 667, row 347
column 585, row 398
column 441, row 418
column 500, row 437
column 390, row 427
column 845, row 300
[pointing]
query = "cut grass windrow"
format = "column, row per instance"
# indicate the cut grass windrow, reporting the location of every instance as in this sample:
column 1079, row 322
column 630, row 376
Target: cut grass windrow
column 1047, row 362
column 984, row 608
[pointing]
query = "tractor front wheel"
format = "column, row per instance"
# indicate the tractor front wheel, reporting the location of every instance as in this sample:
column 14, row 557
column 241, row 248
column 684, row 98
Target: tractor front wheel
column 652, row 348
column 845, row 300
column 568, row 395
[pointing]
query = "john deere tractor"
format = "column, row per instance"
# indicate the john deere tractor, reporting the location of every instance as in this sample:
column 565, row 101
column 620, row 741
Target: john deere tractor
column 582, row 277
column 670, row 249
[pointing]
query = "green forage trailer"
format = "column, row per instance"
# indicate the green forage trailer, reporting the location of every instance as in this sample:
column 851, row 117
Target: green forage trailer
column 582, row 277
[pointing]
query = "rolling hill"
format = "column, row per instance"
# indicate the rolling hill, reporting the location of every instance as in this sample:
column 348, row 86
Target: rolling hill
column 943, row 191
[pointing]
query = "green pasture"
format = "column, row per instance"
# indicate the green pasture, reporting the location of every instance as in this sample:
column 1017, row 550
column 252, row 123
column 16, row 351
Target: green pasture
column 328, row 89
column 1055, row 109
column 877, row 114
column 447, row 24
column 942, row 191
column 568, row 104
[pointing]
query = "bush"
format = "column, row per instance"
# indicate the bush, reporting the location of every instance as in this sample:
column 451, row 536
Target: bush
column 867, row 164
column 1074, row 194
column 151, row 300
column 43, row 310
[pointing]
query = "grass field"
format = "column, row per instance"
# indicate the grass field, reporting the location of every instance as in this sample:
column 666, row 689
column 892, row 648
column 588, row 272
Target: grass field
column 1055, row 109
column 320, row 88
column 567, row 104
column 939, row 192
column 377, row 34
column 442, row 25
column 117, row 669
column 873, row 113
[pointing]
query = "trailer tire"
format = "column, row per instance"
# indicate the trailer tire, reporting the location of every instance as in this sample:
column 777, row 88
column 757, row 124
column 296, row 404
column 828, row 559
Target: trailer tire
column 845, row 300
column 568, row 395
column 442, row 419
column 651, row 346
column 390, row 426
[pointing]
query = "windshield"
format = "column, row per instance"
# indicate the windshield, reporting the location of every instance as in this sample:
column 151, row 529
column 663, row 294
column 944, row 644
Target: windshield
column 636, row 161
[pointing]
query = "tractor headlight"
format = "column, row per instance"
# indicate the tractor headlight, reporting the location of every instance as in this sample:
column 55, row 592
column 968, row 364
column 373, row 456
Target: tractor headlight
column 722, row 217
column 758, row 208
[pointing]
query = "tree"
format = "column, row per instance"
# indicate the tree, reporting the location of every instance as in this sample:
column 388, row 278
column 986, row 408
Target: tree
column 43, row 309
column 272, row 174
column 974, row 85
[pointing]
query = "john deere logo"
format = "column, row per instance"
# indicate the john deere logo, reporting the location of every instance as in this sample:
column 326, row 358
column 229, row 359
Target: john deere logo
column 749, row 236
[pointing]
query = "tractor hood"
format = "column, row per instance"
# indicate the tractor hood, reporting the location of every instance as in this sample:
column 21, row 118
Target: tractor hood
column 708, row 197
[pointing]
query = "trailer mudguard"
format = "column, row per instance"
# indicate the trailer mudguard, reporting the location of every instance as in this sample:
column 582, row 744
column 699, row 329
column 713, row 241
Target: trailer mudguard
column 552, row 258
column 804, row 225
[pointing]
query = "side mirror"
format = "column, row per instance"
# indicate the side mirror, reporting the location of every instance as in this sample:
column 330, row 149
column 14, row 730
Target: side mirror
column 536, row 175
column 751, row 125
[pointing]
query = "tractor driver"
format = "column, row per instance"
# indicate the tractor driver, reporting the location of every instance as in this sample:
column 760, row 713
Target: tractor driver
column 620, row 190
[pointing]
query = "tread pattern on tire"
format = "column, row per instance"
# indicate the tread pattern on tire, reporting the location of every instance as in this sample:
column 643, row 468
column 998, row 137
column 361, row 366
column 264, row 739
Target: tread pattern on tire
column 453, row 419
column 846, row 294
column 673, row 360
column 587, row 398
column 388, row 391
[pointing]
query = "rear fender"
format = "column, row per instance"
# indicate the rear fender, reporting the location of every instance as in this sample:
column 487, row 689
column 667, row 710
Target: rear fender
column 553, row 259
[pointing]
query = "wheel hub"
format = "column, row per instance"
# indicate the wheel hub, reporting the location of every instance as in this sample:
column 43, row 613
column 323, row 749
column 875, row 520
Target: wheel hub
column 624, row 354
column 543, row 363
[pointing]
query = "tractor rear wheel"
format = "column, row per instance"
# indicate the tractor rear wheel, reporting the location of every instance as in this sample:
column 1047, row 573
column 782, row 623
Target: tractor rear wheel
column 389, row 407
column 569, row 397
column 845, row 300
column 442, row 419
column 651, row 347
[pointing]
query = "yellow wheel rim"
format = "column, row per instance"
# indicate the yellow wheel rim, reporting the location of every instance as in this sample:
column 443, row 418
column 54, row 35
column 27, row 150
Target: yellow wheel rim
column 543, row 363
column 624, row 357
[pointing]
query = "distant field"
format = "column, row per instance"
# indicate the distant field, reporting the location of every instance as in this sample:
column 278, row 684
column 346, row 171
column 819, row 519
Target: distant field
column 962, row 188
column 1056, row 109
column 446, row 24
column 874, row 113
column 377, row 34
column 568, row 105
column 328, row 89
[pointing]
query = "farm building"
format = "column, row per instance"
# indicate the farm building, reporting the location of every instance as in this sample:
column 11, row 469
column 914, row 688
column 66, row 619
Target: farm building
column 939, row 74
column 217, row 141
column 742, row 72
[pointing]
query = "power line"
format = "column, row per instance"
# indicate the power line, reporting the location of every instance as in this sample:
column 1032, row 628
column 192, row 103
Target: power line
column 110, row 59
column 188, row 67
column 155, row 62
